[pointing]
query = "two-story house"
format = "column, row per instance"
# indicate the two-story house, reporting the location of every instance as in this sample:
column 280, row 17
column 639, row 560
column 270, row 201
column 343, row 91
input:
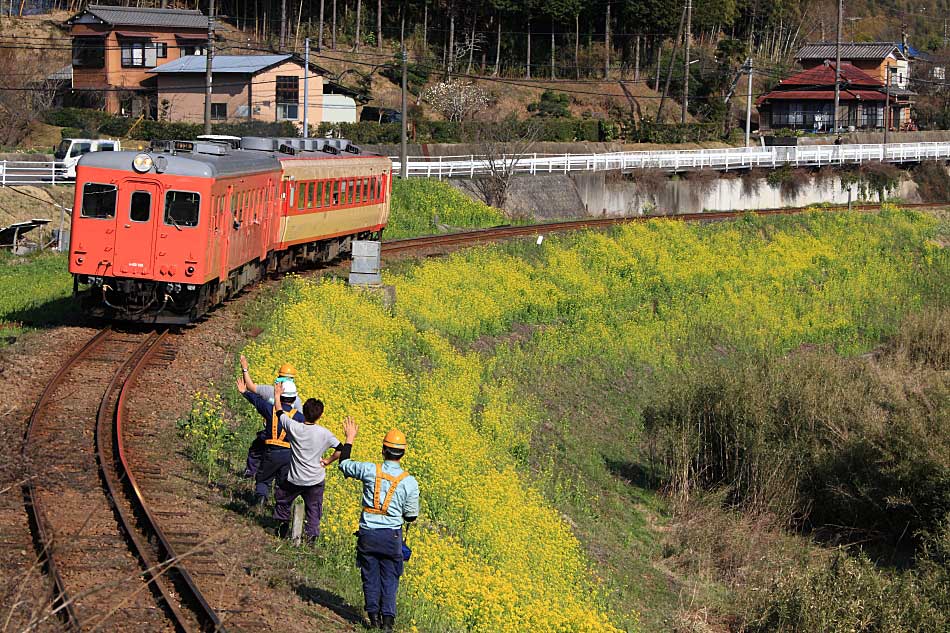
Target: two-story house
column 115, row 47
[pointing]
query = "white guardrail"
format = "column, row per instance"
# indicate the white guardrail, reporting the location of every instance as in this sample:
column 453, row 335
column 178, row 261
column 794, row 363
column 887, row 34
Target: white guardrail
column 23, row 172
column 725, row 159
column 676, row 160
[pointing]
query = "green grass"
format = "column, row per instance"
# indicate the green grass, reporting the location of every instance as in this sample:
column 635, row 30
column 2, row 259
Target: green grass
column 34, row 292
column 420, row 204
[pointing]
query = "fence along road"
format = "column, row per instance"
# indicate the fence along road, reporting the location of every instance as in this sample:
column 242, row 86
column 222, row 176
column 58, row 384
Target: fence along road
column 724, row 159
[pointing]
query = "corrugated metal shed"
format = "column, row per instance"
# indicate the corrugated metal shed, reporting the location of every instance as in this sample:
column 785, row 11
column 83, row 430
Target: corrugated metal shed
column 133, row 16
column 222, row 64
column 854, row 50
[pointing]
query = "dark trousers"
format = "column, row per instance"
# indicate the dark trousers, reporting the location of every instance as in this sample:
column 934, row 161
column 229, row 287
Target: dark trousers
column 286, row 492
column 255, row 454
column 274, row 465
column 379, row 555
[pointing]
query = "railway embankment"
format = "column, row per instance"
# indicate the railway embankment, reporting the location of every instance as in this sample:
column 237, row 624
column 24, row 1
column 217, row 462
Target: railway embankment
column 571, row 369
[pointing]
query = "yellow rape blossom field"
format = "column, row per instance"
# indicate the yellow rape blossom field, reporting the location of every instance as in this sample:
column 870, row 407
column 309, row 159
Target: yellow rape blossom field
column 490, row 552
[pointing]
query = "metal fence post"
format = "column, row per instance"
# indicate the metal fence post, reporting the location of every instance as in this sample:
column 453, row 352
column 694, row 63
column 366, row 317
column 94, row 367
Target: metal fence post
column 3, row 173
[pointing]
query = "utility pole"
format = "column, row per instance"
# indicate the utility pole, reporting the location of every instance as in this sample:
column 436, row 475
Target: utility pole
column 209, row 55
column 748, row 108
column 838, row 63
column 306, row 86
column 887, row 106
column 403, row 157
column 686, row 40
column 320, row 34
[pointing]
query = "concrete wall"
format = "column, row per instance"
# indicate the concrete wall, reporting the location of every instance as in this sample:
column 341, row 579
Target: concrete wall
column 559, row 196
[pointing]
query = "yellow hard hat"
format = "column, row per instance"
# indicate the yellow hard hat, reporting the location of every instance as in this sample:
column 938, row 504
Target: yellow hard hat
column 287, row 371
column 395, row 439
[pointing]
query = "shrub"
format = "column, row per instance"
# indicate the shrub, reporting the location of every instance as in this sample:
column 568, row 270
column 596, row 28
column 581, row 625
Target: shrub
column 933, row 181
column 551, row 104
column 842, row 594
column 813, row 437
column 206, row 432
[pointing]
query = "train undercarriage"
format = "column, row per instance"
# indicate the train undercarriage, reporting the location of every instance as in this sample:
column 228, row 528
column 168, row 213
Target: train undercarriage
column 163, row 303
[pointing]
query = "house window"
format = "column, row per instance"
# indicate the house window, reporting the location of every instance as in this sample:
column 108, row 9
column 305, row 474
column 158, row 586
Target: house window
column 89, row 52
column 288, row 96
column 219, row 111
column 193, row 49
column 161, row 50
column 139, row 54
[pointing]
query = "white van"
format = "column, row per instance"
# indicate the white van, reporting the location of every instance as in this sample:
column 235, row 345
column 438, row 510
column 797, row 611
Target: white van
column 70, row 150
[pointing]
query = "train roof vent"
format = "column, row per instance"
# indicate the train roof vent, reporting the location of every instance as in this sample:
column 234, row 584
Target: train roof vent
column 190, row 147
column 328, row 145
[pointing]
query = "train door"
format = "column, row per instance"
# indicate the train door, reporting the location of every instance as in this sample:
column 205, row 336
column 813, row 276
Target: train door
column 225, row 221
column 136, row 220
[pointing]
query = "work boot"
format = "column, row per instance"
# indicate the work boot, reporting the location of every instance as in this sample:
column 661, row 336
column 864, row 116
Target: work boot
column 373, row 620
column 389, row 621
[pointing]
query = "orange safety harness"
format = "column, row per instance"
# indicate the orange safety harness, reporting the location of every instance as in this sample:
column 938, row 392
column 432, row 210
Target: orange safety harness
column 383, row 508
column 275, row 439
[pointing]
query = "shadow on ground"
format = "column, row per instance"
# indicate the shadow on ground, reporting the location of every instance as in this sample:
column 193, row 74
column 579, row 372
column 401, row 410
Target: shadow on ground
column 331, row 601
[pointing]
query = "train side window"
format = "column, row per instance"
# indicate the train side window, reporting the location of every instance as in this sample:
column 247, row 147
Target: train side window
column 338, row 188
column 366, row 195
column 140, row 206
column 310, row 193
column 181, row 208
column 350, row 191
column 318, row 195
column 98, row 201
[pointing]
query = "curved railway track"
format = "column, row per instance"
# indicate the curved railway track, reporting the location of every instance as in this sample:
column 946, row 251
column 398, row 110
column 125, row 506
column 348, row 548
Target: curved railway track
column 111, row 565
column 396, row 247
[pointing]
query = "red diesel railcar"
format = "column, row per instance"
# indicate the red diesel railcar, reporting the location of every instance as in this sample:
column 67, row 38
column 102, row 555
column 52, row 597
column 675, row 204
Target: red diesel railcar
column 161, row 236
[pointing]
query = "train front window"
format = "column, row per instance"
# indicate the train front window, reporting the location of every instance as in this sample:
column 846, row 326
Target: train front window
column 181, row 208
column 98, row 201
column 140, row 206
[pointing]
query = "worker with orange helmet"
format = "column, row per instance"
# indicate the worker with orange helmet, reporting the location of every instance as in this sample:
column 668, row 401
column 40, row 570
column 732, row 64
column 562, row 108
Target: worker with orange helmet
column 390, row 499
column 256, row 451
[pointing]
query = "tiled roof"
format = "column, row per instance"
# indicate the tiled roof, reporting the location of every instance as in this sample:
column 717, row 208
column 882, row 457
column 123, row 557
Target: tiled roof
column 239, row 64
column 821, row 95
column 852, row 50
column 824, row 75
column 132, row 16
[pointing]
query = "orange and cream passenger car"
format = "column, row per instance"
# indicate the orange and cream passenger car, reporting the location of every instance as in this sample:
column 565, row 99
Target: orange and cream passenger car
column 164, row 235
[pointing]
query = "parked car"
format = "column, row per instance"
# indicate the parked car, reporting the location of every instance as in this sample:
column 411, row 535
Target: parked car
column 380, row 115
column 70, row 150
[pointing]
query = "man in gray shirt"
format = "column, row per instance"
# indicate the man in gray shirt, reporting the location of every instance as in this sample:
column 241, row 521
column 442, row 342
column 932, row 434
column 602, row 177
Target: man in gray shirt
column 308, row 443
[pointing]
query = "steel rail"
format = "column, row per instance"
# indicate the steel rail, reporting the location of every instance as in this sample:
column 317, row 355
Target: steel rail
column 116, row 474
column 394, row 247
column 188, row 591
column 35, row 511
column 106, row 426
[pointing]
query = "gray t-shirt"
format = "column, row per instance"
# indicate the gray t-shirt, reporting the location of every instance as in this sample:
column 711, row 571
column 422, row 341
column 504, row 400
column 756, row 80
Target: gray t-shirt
column 308, row 443
column 267, row 393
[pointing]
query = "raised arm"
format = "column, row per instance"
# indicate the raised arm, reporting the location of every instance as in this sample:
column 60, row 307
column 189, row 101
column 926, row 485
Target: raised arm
column 246, row 375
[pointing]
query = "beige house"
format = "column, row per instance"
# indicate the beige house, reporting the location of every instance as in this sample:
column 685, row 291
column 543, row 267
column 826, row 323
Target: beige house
column 244, row 87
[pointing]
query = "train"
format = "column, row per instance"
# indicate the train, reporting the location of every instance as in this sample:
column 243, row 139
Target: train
column 164, row 235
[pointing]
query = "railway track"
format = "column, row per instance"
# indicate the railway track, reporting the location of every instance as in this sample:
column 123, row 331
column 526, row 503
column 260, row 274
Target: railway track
column 397, row 247
column 111, row 565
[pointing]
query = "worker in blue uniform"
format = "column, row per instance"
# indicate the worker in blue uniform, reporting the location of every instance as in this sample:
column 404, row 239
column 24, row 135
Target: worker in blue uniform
column 256, row 451
column 275, row 460
column 390, row 499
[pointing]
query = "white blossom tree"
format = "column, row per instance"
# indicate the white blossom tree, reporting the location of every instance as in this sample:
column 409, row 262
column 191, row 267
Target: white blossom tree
column 457, row 100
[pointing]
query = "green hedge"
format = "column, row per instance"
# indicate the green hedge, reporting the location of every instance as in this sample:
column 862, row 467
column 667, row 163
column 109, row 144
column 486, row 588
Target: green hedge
column 677, row 133
column 78, row 122
column 554, row 129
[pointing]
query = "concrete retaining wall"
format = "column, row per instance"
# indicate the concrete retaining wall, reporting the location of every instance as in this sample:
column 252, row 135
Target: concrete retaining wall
column 576, row 195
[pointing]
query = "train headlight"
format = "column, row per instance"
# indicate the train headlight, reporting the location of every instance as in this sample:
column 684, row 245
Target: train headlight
column 142, row 163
